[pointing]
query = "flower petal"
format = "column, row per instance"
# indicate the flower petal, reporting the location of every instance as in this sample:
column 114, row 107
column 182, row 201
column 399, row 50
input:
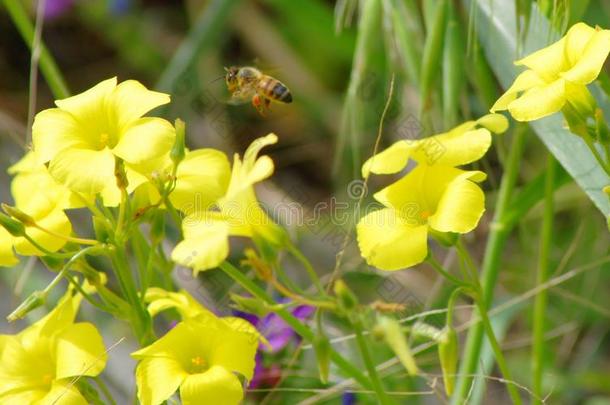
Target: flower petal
column 158, row 378
column 547, row 62
column 23, row 397
column 205, row 244
column 496, row 123
column 83, row 170
column 55, row 221
column 539, row 102
column 63, row 393
column 215, row 386
column 79, row 351
column 461, row 205
column 416, row 194
column 180, row 343
column 16, row 373
column 579, row 97
column 131, row 100
column 388, row 242
column 49, row 192
column 87, row 106
column 54, row 130
column 453, row 148
column 591, row 59
column 145, row 139
column 7, row 256
column 235, row 350
column 160, row 300
column 202, row 178
column 525, row 81
column 576, row 40
column 391, row 160
column 253, row 168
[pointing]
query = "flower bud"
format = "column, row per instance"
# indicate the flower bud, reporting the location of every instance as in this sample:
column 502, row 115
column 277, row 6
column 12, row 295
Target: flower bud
column 35, row 300
column 178, row 150
column 250, row 305
column 13, row 227
column 448, row 355
column 101, row 229
column 601, row 128
column 262, row 269
column 19, row 215
column 397, row 341
column 347, row 299
column 322, row 348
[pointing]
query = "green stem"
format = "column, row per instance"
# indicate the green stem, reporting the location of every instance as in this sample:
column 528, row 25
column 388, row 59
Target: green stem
column 591, row 144
column 47, row 65
column 482, row 307
column 123, row 209
column 439, row 268
column 498, row 235
column 142, row 324
column 62, row 273
column 546, row 238
column 105, row 390
column 369, row 364
column 510, row 386
column 307, row 265
column 294, row 323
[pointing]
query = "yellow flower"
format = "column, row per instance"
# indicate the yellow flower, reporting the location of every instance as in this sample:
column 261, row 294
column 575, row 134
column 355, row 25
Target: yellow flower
column 188, row 307
column 201, row 357
column 45, row 206
column 82, row 138
column 238, row 213
column 433, row 196
column 201, row 179
column 38, row 365
column 160, row 300
column 557, row 74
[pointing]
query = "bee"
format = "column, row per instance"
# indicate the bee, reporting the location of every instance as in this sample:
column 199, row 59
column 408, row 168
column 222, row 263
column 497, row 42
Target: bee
column 248, row 83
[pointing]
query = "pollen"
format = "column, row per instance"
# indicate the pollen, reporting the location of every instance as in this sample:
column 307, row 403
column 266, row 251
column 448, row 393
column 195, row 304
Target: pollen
column 425, row 214
column 198, row 363
column 47, row 379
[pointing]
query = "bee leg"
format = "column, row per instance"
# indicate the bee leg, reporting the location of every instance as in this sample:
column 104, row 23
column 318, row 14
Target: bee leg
column 267, row 103
column 257, row 102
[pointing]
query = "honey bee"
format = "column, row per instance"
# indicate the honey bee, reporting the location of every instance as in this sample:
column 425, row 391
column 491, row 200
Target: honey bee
column 248, row 83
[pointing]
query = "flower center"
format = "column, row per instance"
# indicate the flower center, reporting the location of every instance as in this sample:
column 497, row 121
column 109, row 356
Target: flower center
column 47, row 379
column 198, row 364
column 104, row 138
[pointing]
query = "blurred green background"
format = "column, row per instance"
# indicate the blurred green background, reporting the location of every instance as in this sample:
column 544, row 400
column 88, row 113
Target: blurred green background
column 337, row 60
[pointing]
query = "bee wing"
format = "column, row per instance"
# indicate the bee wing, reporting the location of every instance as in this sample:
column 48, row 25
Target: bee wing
column 238, row 100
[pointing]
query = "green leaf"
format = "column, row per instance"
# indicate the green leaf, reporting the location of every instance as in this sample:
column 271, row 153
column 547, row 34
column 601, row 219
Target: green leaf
column 497, row 33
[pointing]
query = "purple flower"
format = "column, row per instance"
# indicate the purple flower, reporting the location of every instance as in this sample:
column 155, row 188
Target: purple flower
column 279, row 334
column 265, row 376
column 348, row 398
column 55, row 8
column 275, row 329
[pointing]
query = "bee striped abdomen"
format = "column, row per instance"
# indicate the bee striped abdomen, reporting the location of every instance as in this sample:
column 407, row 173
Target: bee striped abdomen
column 275, row 90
